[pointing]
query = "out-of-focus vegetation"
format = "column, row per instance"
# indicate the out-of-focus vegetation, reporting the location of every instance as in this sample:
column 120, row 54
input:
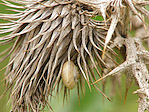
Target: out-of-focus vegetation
column 91, row 102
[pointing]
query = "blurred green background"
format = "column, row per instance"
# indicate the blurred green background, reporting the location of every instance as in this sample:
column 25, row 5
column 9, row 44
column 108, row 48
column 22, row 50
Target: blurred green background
column 91, row 102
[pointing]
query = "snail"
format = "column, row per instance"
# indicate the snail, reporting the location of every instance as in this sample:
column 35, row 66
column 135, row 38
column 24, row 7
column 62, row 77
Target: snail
column 70, row 74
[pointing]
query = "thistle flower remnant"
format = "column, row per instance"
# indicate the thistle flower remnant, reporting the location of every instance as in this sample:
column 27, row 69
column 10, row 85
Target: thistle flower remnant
column 48, row 35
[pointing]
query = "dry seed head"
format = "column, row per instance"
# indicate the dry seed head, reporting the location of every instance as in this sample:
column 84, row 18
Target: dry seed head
column 48, row 33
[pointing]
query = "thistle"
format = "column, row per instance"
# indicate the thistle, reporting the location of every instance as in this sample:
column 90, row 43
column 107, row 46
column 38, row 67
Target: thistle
column 48, row 34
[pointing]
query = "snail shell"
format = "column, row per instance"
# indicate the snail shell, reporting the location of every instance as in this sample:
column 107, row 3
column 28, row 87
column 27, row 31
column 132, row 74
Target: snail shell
column 70, row 74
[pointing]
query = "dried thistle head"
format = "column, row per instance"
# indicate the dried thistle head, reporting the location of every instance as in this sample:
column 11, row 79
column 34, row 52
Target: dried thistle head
column 49, row 33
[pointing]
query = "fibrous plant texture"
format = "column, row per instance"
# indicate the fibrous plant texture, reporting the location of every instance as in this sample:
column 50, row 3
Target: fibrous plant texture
column 46, row 34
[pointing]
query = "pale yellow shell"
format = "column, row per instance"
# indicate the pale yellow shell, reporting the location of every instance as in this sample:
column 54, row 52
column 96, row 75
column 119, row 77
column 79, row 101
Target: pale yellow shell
column 70, row 74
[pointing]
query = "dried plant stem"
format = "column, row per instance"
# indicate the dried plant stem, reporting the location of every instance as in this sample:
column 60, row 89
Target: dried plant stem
column 137, row 69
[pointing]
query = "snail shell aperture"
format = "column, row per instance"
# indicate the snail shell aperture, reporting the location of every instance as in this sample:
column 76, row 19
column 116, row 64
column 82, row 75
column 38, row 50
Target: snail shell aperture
column 70, row 74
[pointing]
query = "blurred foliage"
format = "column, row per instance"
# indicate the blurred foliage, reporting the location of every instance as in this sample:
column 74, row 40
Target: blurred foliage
column 92, row 101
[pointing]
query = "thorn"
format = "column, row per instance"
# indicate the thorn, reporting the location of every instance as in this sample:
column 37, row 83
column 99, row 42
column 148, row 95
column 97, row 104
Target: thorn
column 125, row 95
column 103, row 53
column 3, row 68
column 89, row 85
column 101, row 78
column 145, row 28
